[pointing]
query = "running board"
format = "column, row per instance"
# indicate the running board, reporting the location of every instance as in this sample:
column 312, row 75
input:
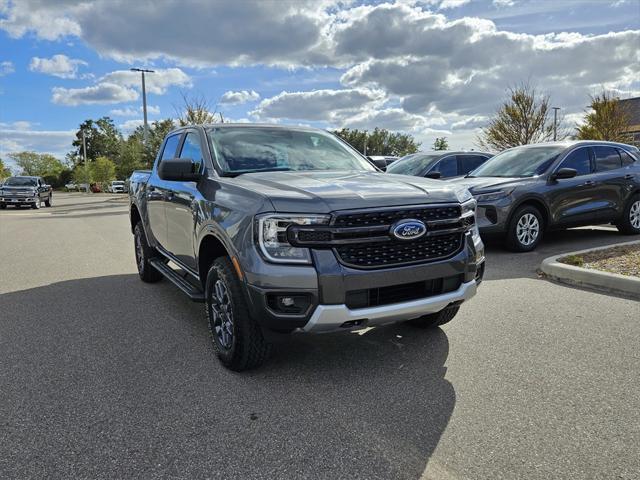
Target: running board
column 193, row 292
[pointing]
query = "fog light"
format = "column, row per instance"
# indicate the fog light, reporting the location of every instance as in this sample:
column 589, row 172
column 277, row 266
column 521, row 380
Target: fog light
column 291, row 304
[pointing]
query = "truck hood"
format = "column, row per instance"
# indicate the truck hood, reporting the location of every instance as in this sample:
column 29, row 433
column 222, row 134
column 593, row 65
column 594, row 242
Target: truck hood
column 324, row 192
column 475, row 184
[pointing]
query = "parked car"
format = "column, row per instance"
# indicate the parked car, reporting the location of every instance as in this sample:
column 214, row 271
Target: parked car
column 525, row 191
column 25, row 190
column 116, row 186
column 287, row 229
column 71, row 187
column 382, row 161
column 439, row 164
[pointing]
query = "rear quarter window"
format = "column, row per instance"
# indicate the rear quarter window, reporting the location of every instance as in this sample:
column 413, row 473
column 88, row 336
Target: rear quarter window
column 607, row 158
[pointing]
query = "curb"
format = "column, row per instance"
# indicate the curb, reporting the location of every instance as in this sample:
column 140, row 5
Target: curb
column 596, row 279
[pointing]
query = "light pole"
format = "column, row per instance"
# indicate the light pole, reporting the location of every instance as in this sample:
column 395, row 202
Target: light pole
column 555, row 123
column 144, row 101
column 84, row 154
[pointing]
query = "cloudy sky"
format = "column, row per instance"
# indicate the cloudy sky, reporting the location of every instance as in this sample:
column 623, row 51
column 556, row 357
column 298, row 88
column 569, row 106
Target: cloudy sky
column 427, row 67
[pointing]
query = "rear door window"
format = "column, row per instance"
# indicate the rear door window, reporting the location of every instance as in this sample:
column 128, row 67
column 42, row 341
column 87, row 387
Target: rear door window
column 579, row 160
column 448, row 167
column 627, row 159
column 607, row 158
column 468, row 163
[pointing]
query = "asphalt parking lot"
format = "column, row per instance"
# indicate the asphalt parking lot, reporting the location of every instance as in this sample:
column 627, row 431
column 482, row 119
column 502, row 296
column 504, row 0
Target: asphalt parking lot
column 103, row 376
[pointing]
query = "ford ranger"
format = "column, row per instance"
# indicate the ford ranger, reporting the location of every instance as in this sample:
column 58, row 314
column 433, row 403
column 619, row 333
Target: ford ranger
column 288, row 229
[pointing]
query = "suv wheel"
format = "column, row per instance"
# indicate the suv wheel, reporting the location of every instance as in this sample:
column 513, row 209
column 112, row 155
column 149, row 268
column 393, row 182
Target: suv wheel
column 36, row 204
column 435, row 319
column 237, row 338
column 630, row 224
column 144, row 253
column 525, row 229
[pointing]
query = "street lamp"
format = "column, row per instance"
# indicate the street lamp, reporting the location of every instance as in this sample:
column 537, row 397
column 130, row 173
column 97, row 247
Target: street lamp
column 144, row 101
column 555, row 123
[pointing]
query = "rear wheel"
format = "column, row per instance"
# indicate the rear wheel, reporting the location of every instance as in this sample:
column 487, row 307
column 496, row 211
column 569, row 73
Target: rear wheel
column 435, row 319
column 144, row 253
column 630, row 223
column 525, row 229
column 237, row 338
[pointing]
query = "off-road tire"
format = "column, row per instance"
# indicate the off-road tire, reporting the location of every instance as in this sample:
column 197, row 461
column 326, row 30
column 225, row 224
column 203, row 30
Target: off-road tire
column 625, row 226
column 511, row 241
column 144, row 253
column 248, row 347
column 434, row 320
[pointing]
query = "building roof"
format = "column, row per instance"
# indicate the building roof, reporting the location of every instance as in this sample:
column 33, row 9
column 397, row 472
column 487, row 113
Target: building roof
column 632, row 107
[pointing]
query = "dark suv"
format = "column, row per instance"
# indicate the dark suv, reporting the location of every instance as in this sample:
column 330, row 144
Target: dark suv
column 438, row 164
column 526, row 190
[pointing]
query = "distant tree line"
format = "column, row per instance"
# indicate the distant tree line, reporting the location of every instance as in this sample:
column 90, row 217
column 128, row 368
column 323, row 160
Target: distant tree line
column 379, row 142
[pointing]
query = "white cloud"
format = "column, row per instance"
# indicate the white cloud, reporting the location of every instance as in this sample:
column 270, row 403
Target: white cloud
column 18, row 136
column 121, row 86
column 130, row 125
column 317, row 105
column 453, row 3
column 59, row 66
column 102, row 93
column 236, row 98
column 6, row 67
column 48, row 20
column 504, row 3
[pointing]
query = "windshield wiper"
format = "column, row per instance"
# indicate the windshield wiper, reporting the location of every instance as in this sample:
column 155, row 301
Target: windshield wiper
column 235, row 173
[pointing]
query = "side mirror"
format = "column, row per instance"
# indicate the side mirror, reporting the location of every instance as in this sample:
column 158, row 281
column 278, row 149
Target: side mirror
column 434, row 175
column 564, row 173
column 179, row 170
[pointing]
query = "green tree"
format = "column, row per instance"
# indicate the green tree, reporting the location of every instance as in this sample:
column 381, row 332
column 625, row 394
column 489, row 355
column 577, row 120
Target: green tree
column 607, row 120
column 39, row 164
column 379, row 142
column 523, row 118
column 102, row 170
column 441, row 144
column 4, row 170
column 158, row 130
column 102, row 138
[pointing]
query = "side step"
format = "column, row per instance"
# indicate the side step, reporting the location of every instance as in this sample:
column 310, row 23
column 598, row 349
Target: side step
column 192, row 291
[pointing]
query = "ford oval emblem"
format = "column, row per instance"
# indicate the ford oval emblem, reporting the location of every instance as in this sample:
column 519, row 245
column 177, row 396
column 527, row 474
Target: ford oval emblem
column 409, row 229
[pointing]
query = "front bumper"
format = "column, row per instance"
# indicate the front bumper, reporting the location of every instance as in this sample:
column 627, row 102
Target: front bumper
column 15, row 200
column 327, row 284
column 331, row 318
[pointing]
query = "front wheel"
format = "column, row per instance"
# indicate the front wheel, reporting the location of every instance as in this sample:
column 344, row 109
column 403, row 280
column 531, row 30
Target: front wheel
column 144, row 253
column 525, row 229
column 3, row 206
column 435, row 319
column 630, row 223
column 36, row 205
column 237, row 338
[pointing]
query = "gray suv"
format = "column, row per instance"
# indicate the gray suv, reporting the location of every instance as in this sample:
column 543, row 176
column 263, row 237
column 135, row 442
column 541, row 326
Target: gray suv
column 288, row 229
column 524, row 191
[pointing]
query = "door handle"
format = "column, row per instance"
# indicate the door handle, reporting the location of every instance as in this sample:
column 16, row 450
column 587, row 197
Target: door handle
column 629, row 176
column 589, row 183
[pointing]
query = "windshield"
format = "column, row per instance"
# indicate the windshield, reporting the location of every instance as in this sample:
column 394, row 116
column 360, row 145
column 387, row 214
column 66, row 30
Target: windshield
column 412, row 164
column 524, row 161
column 21, row 182
column 259, row 149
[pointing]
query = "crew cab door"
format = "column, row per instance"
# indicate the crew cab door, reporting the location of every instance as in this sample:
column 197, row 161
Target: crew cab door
column 181, row 206
column 574, row 201
column 157, row 193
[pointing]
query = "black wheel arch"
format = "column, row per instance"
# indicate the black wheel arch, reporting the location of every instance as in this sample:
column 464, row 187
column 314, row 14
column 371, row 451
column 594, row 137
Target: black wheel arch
column 536, row 202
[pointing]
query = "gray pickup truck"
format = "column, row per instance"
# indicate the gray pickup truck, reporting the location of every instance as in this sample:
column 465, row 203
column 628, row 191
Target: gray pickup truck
column 288, row 229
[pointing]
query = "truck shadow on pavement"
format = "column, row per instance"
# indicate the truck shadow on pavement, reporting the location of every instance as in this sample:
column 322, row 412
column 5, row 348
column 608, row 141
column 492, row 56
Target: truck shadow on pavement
column 109, row 377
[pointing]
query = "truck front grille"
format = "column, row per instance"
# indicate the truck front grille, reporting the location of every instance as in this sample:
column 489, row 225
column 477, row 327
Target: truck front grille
column 363, row 239
column 367, row 255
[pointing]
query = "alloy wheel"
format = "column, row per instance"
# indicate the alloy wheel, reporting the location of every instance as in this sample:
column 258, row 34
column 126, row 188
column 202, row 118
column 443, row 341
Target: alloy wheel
column 634, row 214
column 222, row 314
column 528, row 229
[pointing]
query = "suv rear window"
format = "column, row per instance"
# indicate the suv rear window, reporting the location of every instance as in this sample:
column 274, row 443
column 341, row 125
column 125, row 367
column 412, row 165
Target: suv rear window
column 607, row 158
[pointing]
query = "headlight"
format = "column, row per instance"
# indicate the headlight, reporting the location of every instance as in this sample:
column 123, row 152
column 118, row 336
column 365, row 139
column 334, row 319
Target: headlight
column 272, row 236
column 492, row 196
